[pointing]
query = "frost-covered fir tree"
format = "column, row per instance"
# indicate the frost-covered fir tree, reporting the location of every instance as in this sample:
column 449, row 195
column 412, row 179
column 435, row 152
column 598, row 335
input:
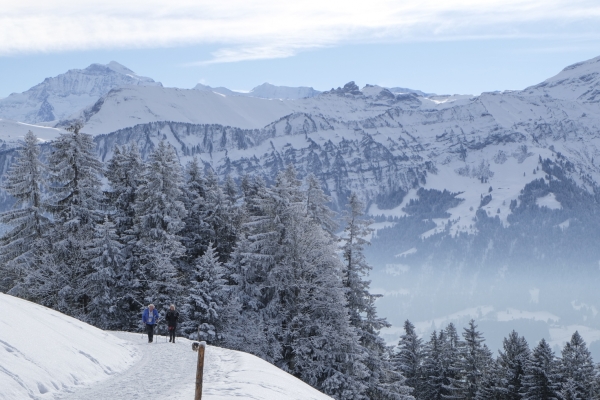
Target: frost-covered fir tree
column 512, row 361
column 452, row 361
column 159, row 214
column 290, row 288
column 316, row 205
column 361, row 303
column 220, row 214
column 195, row 235
column 577, row 367
column 475, row 359
column 409, row 358
column 19, row 246
column 206, row 301
column 75, row 173
column 76, row 197
column 105, row 254
column 541, row 380
column 124, row 173
column 433, row 367
column 569, row 391
column 490, row 384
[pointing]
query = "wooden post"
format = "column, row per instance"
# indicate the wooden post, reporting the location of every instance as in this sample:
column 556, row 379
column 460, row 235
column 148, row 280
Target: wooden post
column 199, row 347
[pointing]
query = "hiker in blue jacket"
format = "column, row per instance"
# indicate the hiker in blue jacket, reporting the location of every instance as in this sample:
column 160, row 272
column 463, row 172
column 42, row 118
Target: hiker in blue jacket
column 150, row 318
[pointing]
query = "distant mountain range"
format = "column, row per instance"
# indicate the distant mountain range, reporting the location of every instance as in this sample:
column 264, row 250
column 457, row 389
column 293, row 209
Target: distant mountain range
column 58, row 97
column 468, row 191
column 266, row 91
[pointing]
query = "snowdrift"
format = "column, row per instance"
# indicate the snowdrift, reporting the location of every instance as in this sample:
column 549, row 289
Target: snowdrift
column 47, row 355
column 43, row 351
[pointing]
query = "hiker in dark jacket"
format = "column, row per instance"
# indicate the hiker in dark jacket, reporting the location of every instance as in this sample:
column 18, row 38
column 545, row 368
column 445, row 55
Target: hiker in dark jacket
column 172, row 317
column 150, row 318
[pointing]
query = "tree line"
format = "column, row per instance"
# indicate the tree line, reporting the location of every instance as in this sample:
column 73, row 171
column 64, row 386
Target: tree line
column 453, row 366
column 252, row 267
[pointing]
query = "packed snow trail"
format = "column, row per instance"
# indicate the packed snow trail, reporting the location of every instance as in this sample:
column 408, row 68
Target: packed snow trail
column 167, row 370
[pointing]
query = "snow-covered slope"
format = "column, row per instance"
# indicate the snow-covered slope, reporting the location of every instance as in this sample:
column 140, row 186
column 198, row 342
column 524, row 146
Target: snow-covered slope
column 47, row 355
column 12, row 133
column 131, row 105
column 43, row 352
column 58, row 97
column 580, row 81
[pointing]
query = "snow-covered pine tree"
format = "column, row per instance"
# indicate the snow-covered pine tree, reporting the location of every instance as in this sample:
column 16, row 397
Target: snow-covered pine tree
column 221, row 217
column 541, row 380
column 577, row 367
column 76, row 197
column 206, row 302
column 361, row 303
column 230, row 190
column 75, row 173
column 124, row 173
column 451, row 359
column 490, row 384
column 512, row 363
column 159, row 214
column 409, row 359
column 196, row 234
column 316, row 205
column 569, row 391
column 452, row 348
column 289, row 281
column 433, row 368
column 474, row 360
column 318, row 343
column 20, row 245
column 105, row 254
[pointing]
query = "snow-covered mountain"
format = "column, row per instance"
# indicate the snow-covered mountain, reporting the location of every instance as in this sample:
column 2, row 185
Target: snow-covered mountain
column 266, row 91
column 477, row 198
column 48, row 355
column 61, row 96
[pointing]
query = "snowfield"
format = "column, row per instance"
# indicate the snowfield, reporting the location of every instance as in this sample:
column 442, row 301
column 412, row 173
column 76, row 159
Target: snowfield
column 48, row 355
column 43, row 352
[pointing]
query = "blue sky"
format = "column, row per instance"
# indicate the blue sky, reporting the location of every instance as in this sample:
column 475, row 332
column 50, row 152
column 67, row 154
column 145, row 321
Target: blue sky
column 452, row 46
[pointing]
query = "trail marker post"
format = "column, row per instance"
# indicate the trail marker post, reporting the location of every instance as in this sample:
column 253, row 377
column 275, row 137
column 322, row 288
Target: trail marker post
column 199, row 347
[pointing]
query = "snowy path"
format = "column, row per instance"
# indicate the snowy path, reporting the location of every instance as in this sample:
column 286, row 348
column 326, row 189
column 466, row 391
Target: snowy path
column 166, row 370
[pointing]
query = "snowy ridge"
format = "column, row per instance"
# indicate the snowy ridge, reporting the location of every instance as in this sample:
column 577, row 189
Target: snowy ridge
column 47, row 355
column 61, row 96
column 265, row 91
column 13, row 133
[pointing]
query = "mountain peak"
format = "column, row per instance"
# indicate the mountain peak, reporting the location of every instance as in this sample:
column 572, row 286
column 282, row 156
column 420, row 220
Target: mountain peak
column 120, row 68
column 63, row 95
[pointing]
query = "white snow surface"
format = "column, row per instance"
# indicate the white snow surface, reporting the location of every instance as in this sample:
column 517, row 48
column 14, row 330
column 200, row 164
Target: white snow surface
column 12, row 133
column 44, row 352
column 133, row 105
column 47, row 355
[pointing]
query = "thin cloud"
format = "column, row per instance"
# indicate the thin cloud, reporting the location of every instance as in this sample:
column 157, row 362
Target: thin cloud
column 251, row 30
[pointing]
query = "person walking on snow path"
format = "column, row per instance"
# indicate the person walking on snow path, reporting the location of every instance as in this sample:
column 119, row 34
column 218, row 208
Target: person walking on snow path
column 172, row 317
column 150, row 318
